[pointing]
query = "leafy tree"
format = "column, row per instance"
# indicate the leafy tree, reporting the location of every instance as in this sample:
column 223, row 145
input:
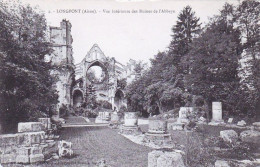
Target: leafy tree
column 90, row 100
column 186, row 28
column 214, row 62
column 25, row 82
column 248, row 23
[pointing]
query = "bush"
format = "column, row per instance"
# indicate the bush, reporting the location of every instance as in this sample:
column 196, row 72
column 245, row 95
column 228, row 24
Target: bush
column 104, row 104
column 64, row 111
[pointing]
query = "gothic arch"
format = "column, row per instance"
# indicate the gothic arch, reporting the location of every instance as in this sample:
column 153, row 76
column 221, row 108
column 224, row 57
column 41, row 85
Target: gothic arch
column 78, row 97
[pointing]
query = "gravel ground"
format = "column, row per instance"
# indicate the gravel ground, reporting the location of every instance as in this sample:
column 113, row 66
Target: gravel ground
column 90, row 144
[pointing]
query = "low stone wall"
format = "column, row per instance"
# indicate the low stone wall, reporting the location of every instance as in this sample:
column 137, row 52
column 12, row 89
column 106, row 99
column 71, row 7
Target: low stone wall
column 29, row 145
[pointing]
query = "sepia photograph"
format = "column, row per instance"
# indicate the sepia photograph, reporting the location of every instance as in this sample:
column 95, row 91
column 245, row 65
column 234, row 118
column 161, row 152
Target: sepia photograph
column 129, row 83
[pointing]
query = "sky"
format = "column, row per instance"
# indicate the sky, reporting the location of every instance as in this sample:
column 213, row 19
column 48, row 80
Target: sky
column 125, row 36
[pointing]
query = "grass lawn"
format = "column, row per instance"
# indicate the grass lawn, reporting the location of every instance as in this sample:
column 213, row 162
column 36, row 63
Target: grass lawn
column 90, row 144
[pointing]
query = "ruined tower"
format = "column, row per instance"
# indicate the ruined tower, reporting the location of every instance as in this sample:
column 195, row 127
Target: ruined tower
column 62, row 60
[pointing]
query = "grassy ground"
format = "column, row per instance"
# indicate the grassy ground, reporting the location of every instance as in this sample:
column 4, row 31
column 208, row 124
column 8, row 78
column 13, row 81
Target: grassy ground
column 90, row 144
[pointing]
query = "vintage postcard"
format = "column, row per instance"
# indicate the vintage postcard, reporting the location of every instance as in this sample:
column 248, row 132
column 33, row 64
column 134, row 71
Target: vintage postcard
column 130, row 83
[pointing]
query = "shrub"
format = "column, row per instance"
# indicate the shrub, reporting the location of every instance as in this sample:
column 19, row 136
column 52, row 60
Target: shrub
column 64, row 111
column 104, row 104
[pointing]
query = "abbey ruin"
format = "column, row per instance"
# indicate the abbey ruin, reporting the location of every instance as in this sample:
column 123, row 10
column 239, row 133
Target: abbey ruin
column 72, row 79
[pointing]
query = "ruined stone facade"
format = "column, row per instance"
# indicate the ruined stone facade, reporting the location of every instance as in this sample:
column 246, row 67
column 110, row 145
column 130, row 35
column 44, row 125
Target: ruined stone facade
column 62, row 60
column 74, row 93
column 108, row 89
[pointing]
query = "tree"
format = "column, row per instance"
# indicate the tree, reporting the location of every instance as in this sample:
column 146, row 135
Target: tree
column 26, row 91
column 91, row 97
column 186, row 28
column 214, row 62
column 248, row 23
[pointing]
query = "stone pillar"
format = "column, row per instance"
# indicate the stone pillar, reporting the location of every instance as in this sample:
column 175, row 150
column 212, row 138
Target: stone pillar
column 103, row 117
column 131, row 123
column 157, row 133
column 217, row 112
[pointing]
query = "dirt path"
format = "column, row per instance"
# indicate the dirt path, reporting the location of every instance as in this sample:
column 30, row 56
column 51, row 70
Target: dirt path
column 90, row 144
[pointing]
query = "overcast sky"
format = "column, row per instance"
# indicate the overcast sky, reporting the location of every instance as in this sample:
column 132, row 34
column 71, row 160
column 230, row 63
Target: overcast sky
column 124, row 36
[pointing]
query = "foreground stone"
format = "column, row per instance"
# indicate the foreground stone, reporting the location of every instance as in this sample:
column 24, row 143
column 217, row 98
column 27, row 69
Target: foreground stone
column 250, row 136
column 26, row 147
column 30, row 127
column 256, row 125
column 221, row 163
column 241, row 123
column 65, row 149
column 229, row 136
column 165, row 159
column 46, row 122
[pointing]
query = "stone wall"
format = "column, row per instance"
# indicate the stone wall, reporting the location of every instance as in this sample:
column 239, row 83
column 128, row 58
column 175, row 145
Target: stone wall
column 29, row 145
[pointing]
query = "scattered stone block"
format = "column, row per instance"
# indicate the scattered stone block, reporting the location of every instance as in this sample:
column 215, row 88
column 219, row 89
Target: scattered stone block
column 37, row 149
column 24, row 159
column 131, row 119
column 23, row 151
column 65, row 152
column 55, row 157
column 46, row 123
column 221, row 163
column 30, row 138
column 183, row 114
column 152, row 158
column 49, row 149
column 250, row 136
column 64, row 144
column 8, row 140
column 241, row 123
column 8, row 149
column 230, row 120
column 157, row 126
column 229, row 136
column 65, row 149
column 30, row 127
column 8, row 158
column 256, row 125
column 202, row 120
column 36, row 158
column 165, row 159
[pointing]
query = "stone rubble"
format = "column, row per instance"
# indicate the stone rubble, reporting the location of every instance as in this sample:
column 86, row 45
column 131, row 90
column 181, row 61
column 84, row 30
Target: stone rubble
column 30, row 145
column 250, row 136
column 241, row 123
column 229, row 136
column 158, row 158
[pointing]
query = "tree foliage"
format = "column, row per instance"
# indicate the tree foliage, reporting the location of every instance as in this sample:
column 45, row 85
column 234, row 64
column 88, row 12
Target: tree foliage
column 207, row 64
column 26, row 84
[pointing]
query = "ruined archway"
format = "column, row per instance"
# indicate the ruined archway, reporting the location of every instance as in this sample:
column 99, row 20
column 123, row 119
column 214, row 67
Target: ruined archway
column 97, row 73
column 77, row 98
column 119, row 100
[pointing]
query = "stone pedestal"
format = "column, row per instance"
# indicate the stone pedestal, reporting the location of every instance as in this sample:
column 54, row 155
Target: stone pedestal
column 130, row 125
column 157, row 133
column 103, row 117
column 114, row 118
column 183, row 114
column 217, row 112
column 130, row 118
